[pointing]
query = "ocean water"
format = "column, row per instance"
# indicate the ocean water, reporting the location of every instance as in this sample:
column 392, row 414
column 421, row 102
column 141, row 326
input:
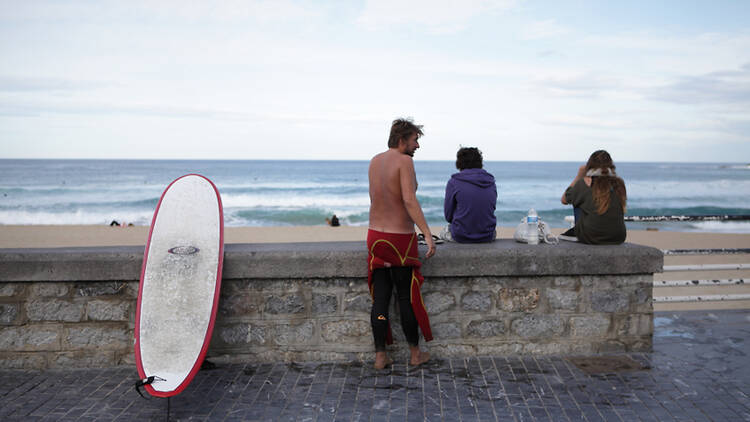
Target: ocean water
column 282, row 193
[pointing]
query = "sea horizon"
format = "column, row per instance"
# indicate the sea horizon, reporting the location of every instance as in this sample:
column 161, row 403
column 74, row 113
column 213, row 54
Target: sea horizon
column 264, row 193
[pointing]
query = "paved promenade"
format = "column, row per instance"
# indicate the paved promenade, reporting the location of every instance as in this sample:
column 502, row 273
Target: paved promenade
column 699, row 371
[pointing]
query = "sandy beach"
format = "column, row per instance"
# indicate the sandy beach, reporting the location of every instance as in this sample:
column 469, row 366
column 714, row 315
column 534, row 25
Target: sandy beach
column 49, row 236
column 54, row 236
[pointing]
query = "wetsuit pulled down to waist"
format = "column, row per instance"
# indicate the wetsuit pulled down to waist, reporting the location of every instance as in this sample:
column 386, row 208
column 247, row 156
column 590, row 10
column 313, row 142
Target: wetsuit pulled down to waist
column 393, row 260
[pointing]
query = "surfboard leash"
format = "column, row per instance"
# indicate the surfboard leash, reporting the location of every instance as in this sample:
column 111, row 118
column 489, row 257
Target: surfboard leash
column 146, row 381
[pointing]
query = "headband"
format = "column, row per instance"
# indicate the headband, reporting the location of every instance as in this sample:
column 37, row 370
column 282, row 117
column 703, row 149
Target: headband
column 607, row 171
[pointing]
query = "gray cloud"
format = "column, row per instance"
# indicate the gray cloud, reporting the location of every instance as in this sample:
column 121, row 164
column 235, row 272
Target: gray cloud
column 722, row 87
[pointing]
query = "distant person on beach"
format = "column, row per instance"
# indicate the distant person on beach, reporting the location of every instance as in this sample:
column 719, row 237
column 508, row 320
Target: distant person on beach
column 470, row 199
column 599, row 202
column 393, row 257
column 333, row 221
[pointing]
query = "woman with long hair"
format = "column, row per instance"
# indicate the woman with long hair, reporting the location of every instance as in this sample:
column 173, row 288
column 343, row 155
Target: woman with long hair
column 599, row 201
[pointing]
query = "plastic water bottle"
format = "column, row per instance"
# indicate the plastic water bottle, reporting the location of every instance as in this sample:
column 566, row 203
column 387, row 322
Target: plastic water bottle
column 532, row 230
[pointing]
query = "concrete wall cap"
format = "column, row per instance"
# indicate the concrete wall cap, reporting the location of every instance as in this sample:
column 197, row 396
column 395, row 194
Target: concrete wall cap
column 338, row 259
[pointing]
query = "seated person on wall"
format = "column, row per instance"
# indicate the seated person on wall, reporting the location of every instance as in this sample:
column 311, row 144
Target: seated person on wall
column 470, row 199
column 599, row 199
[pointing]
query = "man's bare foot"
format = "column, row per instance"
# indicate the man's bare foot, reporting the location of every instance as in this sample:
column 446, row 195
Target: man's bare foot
column 382, row 360
column 418, row 357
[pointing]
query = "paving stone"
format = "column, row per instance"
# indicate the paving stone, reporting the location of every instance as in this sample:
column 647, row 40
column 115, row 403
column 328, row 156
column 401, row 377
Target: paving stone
column 680, row 384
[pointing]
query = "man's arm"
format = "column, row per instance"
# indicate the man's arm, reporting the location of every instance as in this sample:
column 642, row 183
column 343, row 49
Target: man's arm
column 408, row 180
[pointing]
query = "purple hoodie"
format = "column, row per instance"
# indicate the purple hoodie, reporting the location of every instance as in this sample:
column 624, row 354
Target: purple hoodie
column 470, row 198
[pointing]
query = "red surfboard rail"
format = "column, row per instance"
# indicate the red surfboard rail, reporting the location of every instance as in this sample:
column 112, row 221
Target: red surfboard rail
column 209, row 331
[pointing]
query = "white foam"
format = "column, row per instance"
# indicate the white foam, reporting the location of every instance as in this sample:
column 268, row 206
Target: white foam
column 721, row 226
column 289, row 201
column 75, row 217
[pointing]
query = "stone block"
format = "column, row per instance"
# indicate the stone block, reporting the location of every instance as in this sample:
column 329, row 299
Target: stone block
column 288, row 334
column 609, row 300
column 50, row 289
column 55, row 310
column 324, row 304
column 243, row 334
column 568, row 282
column 8, row 313
column 589, row 281
column 452, row 350
column 589, row 326
column 239, row 304
column 68, row 360
column 536, row 326
column 126, row 358
column 643, row 294
column 500, row 349
column 30, row 338
column 476, row 301
column 562, row 299
column 611, row 346
column 486, row 328
column 130, row 290
column 288, row 304
column 10, row 289
column 100, row 288
column 358, row 303
column 347, row 331
column 439, row 302
column 635, row 325
column 446, row 330
column 108, row 310
column 98, row 337
column 642, row 345
column 519, row 299
column 32, row 361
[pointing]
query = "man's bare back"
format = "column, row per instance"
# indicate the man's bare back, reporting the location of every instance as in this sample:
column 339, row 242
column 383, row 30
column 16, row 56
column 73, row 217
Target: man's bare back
column 393, row 198
column 387, row 210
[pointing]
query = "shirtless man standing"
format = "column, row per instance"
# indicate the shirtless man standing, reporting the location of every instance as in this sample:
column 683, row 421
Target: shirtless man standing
column 392, row 243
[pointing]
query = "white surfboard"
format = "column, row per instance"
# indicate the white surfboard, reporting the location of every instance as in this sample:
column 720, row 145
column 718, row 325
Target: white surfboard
column 180, row 282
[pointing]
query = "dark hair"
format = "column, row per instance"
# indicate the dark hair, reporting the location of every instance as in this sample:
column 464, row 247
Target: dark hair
column 403, row 129
column 468, row 158
column 602, row 186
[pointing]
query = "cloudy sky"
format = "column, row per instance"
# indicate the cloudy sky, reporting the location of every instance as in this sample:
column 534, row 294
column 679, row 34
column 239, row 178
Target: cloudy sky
column 284, row 79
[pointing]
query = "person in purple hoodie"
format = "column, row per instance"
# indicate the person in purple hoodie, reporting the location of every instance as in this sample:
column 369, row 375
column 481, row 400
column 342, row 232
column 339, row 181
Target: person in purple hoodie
column 470, row 199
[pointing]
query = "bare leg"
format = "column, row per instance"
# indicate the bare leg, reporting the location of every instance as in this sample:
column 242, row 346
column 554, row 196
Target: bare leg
column 382, row 360
column 418, row 357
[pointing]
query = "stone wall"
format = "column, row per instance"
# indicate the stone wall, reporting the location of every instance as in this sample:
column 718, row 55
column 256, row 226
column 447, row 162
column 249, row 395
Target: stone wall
column 309, row 302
